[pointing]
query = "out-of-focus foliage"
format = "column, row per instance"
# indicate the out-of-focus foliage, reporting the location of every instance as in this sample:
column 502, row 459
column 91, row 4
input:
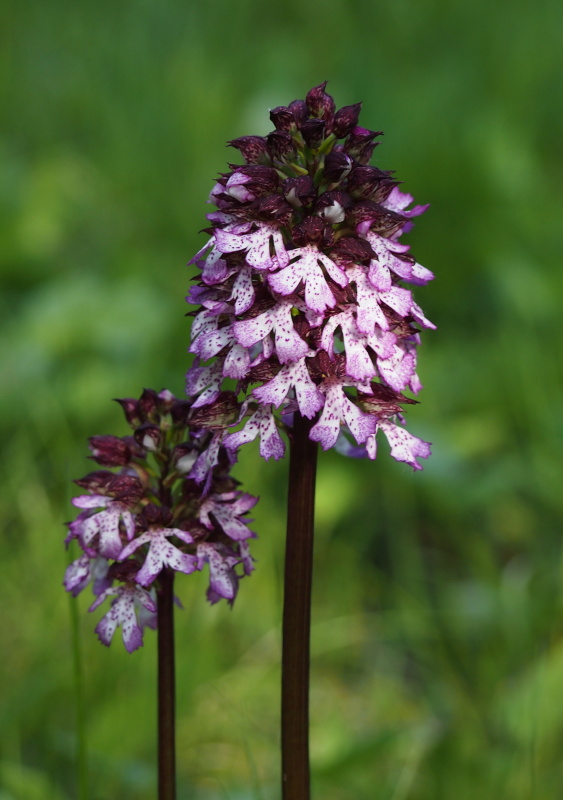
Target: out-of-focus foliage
column 438, row 637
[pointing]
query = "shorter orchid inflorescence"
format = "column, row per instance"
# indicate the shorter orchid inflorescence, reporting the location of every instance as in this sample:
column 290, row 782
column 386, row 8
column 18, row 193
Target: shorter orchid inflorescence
column 143, row 513
column 302, row 290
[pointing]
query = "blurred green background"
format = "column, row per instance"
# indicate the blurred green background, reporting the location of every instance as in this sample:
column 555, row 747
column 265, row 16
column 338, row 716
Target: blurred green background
column 437, row 668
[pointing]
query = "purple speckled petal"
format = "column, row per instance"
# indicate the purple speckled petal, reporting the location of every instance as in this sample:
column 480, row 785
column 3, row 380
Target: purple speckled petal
column 223, row 580
column 226, row 515
column 397, row 370
column 262, row 423
column 309, row 399
column 398, row 201
column 122, row 612
column 208, row 345
column 202, row 470
column 250, row 331
column 400, row 300
column 286, row 280
column 246, row 558
column 110, row 545
column 208, row 379
column 379, row 276
column 243, row 291
column 404, row 446
column 418, row 315
column 91, row 501
column 237, row 362
column 77, row 575
column 318, row 295
column 289, row 345
column 369, row 313
column 337, row 274
column 326, row 431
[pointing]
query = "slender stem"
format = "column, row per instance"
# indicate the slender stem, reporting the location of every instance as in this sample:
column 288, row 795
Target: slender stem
column 166, row 689
column 82, row 752
column 297, row 613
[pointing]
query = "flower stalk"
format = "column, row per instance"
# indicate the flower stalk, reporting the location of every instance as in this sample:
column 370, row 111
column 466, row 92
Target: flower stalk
column 166, row 688
column 297, row 613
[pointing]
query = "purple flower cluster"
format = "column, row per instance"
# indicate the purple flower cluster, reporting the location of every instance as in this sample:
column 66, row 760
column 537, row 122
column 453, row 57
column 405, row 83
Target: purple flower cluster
column 302, row 291
column 143, row 514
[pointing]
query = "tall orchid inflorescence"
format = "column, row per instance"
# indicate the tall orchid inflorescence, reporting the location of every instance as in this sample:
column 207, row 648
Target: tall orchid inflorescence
column 147, row 515
column 301, row 292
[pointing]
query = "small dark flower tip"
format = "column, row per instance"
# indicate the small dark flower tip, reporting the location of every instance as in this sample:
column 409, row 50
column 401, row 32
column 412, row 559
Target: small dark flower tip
column 252, row 148
column 165, row 401
column 332, row 206
column 131, row 410
column 345, row 120
column 364, row 180
column 223, row 411
column 360, row 145
column 337, row 166
column 280, row 144
column 148, row 436
column 184, row 457
column 125, row 571
column 299, row 191
column 353, row 250
column 126, row 488
column 300, row 111
column 179, row 411
column 109, row 451
column 149, row 405
column 313, row 131
column 97, row 481
column 155, row 515
column 321, row 104
column 272, row 208
column 310, row 231
column 283, row 118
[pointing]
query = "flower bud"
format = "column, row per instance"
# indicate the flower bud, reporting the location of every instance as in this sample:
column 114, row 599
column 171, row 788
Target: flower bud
column 252, row 148
column 280, row 144
column 272, row 208
column 96, row 482
column 131, row 410
column 110, row 451
column 383, row 402
column 221, row 412
column 321, row 104
column 125, row 488
column 364, row 180
column 155, row 515
column 179, row 412
column 345, row 120
column 310, row 231
column 300, row 111
column 184, row 456
column 148, row 436
column 125, row 571
column 331, row 206
column 350, row 249
column 337, row 167
column 282, row 118
column 313, row 131
column 360, row 144
column 299, row 191
column 148, row 405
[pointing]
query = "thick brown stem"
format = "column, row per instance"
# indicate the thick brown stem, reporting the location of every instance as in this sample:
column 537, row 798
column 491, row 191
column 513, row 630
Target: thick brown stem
column 166, row 689
column 297, row 613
